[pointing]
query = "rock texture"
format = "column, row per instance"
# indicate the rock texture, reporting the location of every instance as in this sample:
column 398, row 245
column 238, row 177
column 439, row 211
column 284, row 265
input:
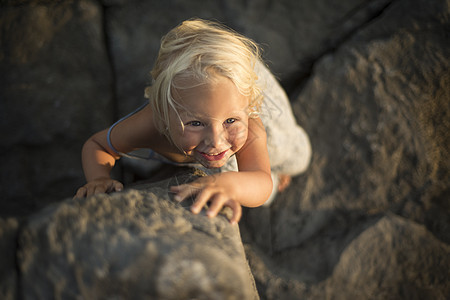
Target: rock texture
column 394, row 258
column 8, row 271
column 369, row 81
column 137, row 244
column 55, row 89
column 378, row 113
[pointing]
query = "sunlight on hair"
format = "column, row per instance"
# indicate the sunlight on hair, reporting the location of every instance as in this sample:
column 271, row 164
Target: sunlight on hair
column 196, row 52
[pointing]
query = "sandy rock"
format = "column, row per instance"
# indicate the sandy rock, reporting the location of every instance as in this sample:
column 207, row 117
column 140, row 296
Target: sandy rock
column 132, row 245
column 369, row 83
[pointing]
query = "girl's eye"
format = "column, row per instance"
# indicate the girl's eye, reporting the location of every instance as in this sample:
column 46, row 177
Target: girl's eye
column 195, row 123
column 230, row 121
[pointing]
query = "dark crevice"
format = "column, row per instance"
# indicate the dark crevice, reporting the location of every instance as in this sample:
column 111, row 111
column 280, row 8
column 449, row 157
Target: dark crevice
column 118, row 170
column 362, row 16
column 19, row 286
column 111, row 64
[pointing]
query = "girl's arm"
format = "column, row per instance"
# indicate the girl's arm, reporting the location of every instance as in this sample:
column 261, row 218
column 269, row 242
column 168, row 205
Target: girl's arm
column 250, row 187
column 98, row 161
column 98, row 158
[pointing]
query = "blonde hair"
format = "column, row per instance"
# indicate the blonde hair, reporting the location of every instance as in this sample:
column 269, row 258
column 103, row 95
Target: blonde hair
column 199, row 50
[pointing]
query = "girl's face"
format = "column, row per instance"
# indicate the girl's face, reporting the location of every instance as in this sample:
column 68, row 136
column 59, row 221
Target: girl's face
column 215, row 121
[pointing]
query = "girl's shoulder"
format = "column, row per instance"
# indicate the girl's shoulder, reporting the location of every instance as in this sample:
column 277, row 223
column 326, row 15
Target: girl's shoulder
column 135, row 130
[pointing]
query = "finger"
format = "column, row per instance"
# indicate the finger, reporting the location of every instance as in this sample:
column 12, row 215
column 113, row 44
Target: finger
column 237, row 211
column 112, row 186
column 216, row 205
column 180, row 192
column 90, row 191
column 96, row 189
column 118, row 186
column 175, row 190
column 201, row 200
column 81, row 193
column 99, row 189
column 283, row 182
column 196, row 185
column 185, row 190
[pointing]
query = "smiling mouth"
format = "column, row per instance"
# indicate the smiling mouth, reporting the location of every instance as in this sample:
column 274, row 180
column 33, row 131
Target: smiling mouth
column 214, row 157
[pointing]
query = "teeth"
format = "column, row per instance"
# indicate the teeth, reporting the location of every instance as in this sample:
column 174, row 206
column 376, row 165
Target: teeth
column 213, row 154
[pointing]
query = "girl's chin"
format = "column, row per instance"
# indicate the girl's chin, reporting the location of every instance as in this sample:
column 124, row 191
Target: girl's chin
column 213, row 165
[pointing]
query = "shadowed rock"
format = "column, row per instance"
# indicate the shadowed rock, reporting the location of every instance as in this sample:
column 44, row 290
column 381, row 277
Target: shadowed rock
column 369, row 83
column 378, row 113
column 8, row 273
column 132, row 245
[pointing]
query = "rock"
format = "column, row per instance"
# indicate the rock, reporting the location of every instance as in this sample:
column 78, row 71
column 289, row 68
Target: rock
column 394, row 258
column 132, row 245
column 8, row 272
column 70, row 69
column 55, row 92
column 292, row 33
column 384, row 96
column 377, row 111
column 369, row 83
column 135, row 29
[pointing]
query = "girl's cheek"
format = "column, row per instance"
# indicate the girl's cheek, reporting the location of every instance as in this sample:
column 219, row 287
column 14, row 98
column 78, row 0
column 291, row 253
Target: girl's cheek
column 238, row 134
column 190, row 140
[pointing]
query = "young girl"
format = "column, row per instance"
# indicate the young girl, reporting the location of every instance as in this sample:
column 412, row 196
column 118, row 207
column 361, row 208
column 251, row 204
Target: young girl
column 205, row 108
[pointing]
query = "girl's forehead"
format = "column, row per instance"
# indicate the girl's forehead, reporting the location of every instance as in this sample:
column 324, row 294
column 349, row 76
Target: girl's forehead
column 214, row 99
column 212, row 112
column 218, row 116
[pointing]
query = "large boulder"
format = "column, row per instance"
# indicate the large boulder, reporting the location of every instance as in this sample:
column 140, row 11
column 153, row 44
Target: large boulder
column 135, row 29
column 55, row 91
column 393, row 258
column 137, row 244
column 295, row 34
column 369, row 82
column 378, row 114
column 292, row 33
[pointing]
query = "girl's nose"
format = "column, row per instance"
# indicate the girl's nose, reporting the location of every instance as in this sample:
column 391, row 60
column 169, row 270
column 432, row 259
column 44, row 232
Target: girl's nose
column 216, row 136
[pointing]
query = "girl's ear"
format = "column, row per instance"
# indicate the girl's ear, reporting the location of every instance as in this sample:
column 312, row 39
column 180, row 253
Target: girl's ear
column 252, row 112
column 147, row 92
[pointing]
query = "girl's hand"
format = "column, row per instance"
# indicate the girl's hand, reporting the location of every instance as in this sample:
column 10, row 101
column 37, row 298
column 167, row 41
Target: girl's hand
column 101, row 185
column 207, row 191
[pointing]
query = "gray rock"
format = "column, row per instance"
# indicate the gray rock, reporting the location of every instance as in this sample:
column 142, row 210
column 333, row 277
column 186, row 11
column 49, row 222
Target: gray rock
column 8, row 271
column 375, row 107
column 394, row 258
column 135, row 29
column 377, row 111
column 292, row 33
column 135, row 244
column 383, row 96
column 55, row 91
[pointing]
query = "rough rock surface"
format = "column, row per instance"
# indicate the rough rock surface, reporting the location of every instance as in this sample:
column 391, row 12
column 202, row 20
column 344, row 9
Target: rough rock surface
column 8, row 272
column 55, row 90
column 385, row 259
column 369, row 81
column 378, row 114
column 137, row 244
